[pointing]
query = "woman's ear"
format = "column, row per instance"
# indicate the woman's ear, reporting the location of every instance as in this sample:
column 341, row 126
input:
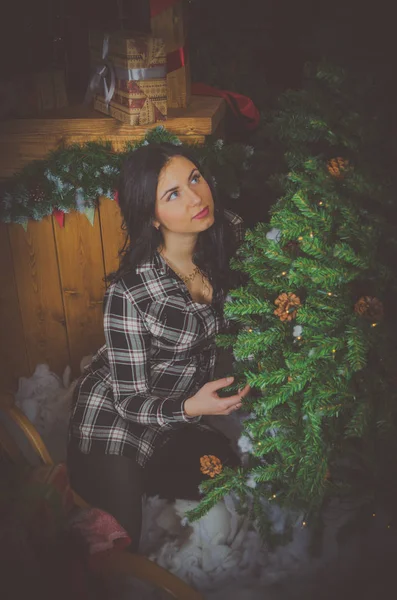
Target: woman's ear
column 156, row 225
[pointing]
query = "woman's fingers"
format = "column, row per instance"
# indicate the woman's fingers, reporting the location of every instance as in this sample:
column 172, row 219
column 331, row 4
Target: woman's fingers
column 243, row 392
column 229, row 404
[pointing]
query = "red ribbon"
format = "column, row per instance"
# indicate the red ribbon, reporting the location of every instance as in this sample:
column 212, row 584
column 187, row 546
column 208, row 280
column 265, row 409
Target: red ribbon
column 176, row 59
column 157, row 6
column 241, row 106
column 60, row 216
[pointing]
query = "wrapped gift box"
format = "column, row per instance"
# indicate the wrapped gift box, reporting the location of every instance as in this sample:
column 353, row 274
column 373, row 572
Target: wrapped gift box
column 139, row 65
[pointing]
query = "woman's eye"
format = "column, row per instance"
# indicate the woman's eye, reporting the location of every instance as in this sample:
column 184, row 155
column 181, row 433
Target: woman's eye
column 173, row 195
column 196, row 178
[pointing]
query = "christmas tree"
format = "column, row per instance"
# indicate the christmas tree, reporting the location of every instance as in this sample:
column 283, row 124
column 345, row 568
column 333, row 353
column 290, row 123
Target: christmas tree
column 316, row 315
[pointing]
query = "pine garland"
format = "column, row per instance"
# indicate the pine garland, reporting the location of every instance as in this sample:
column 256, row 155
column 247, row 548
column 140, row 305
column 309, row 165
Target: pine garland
column 72, row 178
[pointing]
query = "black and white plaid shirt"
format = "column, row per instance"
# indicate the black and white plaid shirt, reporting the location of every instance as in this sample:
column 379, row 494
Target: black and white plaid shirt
column 159, row 351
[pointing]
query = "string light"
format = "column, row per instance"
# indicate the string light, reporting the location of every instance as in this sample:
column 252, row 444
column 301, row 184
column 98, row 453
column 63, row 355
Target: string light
column 320, row 203
column 374, row 324
column 300, row 238
column 389, row 526
column 284, row 273
column 304, row 523
column 329, row 294
column 250, row 330
column 374, row 514
column 333, row 350
column 274, row 496
column 299, row 337
column 311, row 234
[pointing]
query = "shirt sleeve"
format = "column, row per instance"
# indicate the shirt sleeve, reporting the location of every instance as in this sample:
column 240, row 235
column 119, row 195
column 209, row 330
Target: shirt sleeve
column 128, row 344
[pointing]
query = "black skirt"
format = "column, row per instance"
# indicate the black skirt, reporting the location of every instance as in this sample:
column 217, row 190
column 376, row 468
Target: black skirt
column 175, row 470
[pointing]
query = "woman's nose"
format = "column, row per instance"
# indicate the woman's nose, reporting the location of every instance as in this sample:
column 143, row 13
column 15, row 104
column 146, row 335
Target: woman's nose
column 194, row 197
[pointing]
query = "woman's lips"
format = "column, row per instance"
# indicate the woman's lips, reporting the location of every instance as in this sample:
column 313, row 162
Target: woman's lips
column 203, row 213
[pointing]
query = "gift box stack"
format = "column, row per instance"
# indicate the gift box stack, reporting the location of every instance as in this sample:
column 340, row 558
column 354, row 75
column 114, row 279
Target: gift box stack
column 138, row 64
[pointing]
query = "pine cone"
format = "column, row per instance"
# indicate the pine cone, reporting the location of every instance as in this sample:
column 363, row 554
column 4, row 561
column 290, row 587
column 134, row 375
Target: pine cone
column 210, row 465
column 369, row 307
column 286, row 303
column 336, row 166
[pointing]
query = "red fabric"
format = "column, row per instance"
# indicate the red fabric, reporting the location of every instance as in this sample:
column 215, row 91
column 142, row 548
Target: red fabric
column 116, row 196
column 60, row 216
column 176, row 59
column 157, row 6
column 100, row 532
column 241, row 106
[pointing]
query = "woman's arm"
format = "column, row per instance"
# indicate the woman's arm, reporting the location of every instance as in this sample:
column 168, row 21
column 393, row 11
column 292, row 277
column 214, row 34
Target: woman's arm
column 128, row 344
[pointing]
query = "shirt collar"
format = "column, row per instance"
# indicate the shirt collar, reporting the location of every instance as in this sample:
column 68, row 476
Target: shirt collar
column 157, row 263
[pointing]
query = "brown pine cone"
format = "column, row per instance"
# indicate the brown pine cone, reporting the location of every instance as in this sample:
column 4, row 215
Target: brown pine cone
column 210, row 465
column 369, row 307
column 286, row 303
column 336, row 166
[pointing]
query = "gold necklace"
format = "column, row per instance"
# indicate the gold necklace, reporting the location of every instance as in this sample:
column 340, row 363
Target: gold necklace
column 185, row 278
column 206, row 290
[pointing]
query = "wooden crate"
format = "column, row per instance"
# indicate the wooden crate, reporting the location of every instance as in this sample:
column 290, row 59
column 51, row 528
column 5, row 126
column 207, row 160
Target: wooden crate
column 51, row 290
column 24, row 140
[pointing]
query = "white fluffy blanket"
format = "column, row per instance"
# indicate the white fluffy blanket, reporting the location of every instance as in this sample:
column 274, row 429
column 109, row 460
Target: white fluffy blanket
column 222, row 554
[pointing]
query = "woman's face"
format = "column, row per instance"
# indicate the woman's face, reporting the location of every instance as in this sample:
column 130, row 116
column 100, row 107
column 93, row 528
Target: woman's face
column 184, row 202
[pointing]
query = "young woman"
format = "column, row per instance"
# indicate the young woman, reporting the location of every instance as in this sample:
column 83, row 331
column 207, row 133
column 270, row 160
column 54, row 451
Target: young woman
column 135, row 426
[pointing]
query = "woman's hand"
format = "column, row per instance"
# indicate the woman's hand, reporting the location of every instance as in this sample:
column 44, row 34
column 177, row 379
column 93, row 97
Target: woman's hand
column 207, row 401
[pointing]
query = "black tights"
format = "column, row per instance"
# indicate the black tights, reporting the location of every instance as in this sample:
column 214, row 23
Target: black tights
column 116, row 483
column 112, row 483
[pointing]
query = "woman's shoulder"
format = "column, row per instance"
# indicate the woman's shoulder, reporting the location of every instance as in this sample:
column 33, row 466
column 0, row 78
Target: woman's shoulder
column 236, row 223
column 141, row 285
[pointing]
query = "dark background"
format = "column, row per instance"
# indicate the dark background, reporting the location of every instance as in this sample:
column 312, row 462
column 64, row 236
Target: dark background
column 254, row 46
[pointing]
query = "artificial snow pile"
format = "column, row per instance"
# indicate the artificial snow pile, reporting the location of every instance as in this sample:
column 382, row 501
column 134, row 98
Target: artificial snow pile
column 221, row 555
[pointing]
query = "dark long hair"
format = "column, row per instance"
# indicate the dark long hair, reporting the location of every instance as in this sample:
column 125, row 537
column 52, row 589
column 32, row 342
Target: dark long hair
column 137, row 198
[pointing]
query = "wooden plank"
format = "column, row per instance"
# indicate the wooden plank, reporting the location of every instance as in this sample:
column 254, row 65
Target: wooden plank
column 25, row 140
column 13, row 357
column 196, row 119
column 82, row 271
column 112, row 234
column 37, row 278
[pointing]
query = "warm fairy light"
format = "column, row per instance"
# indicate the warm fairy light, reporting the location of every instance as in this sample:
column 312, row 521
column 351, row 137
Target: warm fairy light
column 320, row 203
column 274, row 496
column 304, row 523
column 388, row 526
column 311, row 234
column 299, row 337
column 374, row 514
column 300, row 238
column 284, row 273
column 333, row 350
column 374, row 324
column 329, row 294
column 250, row 330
